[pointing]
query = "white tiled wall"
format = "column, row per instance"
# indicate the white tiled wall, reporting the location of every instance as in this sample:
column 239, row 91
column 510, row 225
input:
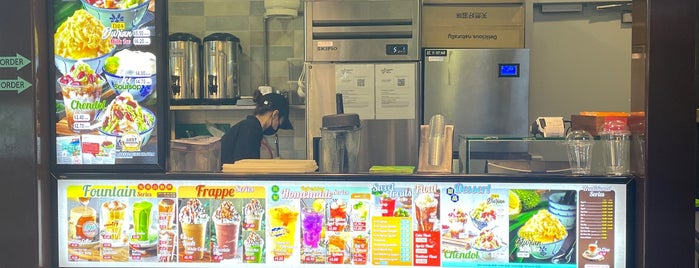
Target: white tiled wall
column 245, row 20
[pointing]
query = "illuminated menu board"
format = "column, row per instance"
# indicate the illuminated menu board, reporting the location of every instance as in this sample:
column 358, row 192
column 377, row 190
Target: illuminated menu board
column 125, row 223
column 106, row 60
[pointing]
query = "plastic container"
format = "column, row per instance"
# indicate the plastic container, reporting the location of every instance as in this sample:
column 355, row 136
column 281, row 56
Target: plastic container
column 197, row 154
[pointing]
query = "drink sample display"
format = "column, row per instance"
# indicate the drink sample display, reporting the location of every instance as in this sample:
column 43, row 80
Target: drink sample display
column 282, row 221
column 312, row 225
column 227, row 225
column 425, row 212
column 166, row 212
column 113, row 214
column 253, row 247
column 82, row 223
column 141, row 220
column 253, row 214
column 194, row 222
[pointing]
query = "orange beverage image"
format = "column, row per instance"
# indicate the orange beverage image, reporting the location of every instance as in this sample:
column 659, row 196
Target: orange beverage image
column 166, row 212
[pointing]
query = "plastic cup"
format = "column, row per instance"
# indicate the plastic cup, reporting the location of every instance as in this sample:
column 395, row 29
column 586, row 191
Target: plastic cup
column 617, row 142
column 579, row 146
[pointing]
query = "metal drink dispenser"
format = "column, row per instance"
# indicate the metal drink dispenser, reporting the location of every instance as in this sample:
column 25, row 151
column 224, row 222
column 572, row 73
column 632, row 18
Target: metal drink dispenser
column 185, row 69
column 221, row 68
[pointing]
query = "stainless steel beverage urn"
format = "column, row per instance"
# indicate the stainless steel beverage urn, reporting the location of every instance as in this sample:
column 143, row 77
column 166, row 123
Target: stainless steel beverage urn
column 185, row 69
column 221, row 68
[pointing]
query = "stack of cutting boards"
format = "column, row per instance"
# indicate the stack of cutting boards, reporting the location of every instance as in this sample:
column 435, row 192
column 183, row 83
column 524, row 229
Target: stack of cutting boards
column 271, row 166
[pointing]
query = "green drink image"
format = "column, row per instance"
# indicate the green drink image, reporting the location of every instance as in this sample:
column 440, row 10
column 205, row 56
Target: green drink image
column 253, row 248
column 141, row 220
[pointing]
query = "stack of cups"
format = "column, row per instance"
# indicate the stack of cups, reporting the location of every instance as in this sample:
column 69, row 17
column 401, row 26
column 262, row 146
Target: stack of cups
column 579, row 144
column 616, row 139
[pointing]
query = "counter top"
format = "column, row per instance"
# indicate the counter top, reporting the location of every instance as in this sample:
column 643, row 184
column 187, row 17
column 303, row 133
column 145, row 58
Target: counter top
column 502, row 178
column 221, row 107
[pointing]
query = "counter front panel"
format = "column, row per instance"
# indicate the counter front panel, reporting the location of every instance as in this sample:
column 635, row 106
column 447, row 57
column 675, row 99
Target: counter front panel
column 384, row 221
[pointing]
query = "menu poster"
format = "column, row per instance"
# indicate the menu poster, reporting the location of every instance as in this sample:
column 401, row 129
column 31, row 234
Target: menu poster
column 391, row 225
column 106, row 104
column 596, row 238
column 542, row 225
column 114, row 223
column 474, row 225
column 426, row 238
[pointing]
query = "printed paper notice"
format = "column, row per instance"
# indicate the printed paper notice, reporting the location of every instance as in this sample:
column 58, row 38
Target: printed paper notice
column 356, row 83
column 395, row 91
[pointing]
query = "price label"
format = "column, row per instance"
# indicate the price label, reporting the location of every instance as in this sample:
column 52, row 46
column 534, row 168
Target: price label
column 107, row 257
column 141, row 41
column 188, row 257
column 310, row 259
column 278, row 258
column 136, row 257
column 141, row 32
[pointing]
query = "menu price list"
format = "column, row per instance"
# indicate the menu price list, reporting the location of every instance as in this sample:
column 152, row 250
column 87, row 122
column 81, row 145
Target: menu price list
column 391, row 240
column 596, row 238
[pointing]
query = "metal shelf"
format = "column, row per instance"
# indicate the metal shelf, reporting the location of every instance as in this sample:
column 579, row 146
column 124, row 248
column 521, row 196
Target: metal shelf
column 221, row 107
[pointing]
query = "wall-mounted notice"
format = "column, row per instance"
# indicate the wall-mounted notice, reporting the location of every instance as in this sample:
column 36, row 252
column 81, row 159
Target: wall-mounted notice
column 356, row 83
column 395, row 91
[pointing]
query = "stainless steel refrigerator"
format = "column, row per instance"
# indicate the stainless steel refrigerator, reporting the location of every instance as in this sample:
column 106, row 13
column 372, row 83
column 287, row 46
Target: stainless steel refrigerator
column 369, row 52
column 482, row 92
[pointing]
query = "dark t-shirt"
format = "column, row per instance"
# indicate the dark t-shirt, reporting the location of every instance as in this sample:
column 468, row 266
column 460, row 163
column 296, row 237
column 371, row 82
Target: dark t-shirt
column 242, row 141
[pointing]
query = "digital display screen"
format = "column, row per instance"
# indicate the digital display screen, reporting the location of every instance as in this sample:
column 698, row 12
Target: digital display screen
column 508, row 70
column 180, row 223
column 107, row 108
column 399, row 49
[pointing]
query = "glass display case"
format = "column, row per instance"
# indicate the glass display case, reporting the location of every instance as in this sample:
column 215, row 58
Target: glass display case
column 507, row 155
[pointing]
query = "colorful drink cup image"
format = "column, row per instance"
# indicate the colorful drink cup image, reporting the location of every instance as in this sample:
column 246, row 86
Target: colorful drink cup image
column 338, row 215
column 141, row 220
column 337, row 247
column 426, row 212
column 282, row 221
column 227, row 224
column 166, row 245
column 253, row 213
column 166, row 212
column 82, row 224
column 253, row 246
column 312, row 227
column 360, row 249
column 193, row 221
column 113, row 213
column 81, row 89
column 388, row 206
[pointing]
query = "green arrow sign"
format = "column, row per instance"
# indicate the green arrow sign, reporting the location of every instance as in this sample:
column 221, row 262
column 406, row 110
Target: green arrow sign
column 12, row 62
column 18, row 84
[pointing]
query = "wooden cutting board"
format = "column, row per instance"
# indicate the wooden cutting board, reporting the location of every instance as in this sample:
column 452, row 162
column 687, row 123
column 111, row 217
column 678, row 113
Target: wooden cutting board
column 271, row 166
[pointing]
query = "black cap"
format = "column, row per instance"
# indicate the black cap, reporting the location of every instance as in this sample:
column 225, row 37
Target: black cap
column 278, row 102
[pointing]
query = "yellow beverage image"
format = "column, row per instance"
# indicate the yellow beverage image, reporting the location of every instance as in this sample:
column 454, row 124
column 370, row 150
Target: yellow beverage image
column 113, row 213
column 282, row 221
column 193, row 240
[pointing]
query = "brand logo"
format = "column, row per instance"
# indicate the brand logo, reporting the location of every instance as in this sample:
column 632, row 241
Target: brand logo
column 327, row 48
